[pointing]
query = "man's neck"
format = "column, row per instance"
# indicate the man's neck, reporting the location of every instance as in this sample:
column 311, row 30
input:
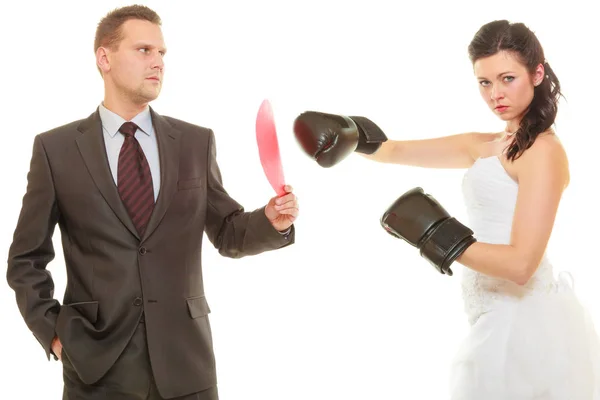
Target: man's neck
column 125, row 109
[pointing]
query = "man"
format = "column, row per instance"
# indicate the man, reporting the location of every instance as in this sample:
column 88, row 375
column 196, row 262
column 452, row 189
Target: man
column 132, row 192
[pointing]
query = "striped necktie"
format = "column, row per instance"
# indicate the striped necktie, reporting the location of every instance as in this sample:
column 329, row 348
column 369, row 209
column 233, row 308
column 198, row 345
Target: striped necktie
column 134, row 179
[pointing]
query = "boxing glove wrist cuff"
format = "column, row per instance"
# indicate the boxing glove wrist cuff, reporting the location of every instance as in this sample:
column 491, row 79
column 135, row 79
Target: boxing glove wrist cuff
column 370, row 135
column 455, row 253
column 447, row 241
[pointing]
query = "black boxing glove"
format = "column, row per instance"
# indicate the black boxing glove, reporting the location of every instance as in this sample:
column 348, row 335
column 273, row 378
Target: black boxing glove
column 329, row 138
column 420, row 220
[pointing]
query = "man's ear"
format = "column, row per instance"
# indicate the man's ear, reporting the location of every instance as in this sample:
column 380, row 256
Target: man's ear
column 103, row 59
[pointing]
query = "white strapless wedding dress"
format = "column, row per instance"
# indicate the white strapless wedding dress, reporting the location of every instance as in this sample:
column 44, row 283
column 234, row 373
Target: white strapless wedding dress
column 531, row 342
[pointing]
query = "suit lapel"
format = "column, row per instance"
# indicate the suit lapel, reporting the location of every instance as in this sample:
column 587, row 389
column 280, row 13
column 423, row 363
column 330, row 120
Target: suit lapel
column 93, row 151
column 168, row 150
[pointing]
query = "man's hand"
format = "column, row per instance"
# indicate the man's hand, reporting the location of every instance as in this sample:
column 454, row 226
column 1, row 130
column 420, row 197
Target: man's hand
column 283, row 211
column 57, row 347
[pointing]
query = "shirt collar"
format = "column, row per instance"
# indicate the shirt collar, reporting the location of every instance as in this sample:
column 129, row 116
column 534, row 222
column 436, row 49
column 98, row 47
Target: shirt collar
column 112, row 122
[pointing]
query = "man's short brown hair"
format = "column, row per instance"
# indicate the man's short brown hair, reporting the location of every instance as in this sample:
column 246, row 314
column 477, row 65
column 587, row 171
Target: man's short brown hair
column 109, row 32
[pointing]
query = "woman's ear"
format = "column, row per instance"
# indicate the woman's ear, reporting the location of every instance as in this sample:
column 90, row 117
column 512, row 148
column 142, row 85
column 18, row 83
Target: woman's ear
column 538, row 75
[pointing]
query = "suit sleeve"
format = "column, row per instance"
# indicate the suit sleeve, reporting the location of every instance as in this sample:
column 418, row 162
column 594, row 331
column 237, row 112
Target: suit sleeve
column 232, row 230
column 32, row 249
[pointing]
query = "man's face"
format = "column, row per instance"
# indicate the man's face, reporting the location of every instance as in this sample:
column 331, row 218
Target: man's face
column 135, row 68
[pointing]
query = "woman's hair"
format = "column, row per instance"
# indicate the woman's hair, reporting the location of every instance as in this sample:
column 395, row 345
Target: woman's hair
column 518, row 39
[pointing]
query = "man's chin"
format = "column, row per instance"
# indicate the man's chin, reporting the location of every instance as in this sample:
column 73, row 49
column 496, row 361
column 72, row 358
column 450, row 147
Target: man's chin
column 147, row 96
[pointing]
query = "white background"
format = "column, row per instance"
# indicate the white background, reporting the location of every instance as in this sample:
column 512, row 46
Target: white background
column 348, row 312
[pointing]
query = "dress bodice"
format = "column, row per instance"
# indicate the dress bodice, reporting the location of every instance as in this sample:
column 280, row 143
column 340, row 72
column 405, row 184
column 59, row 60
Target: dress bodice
column 490, row 196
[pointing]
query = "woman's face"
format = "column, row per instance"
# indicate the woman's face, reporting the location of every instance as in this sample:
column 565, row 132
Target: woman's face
column 506, row 85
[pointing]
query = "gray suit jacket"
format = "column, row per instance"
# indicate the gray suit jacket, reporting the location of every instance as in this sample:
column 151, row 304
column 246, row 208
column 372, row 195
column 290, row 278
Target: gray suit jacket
column 113, row 273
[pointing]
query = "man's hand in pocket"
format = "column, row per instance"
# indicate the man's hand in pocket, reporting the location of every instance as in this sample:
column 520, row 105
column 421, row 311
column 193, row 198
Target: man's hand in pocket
column 57, row 347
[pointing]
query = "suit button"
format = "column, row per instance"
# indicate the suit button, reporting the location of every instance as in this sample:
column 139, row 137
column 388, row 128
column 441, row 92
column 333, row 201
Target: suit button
column 143, row 250
column 138, row 301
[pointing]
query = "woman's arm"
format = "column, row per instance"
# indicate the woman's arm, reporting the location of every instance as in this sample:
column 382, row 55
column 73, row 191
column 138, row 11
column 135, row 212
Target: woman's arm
column 453, row 151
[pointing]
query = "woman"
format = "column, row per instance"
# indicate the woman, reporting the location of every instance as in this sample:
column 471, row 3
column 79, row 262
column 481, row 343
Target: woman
column 530, row 338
